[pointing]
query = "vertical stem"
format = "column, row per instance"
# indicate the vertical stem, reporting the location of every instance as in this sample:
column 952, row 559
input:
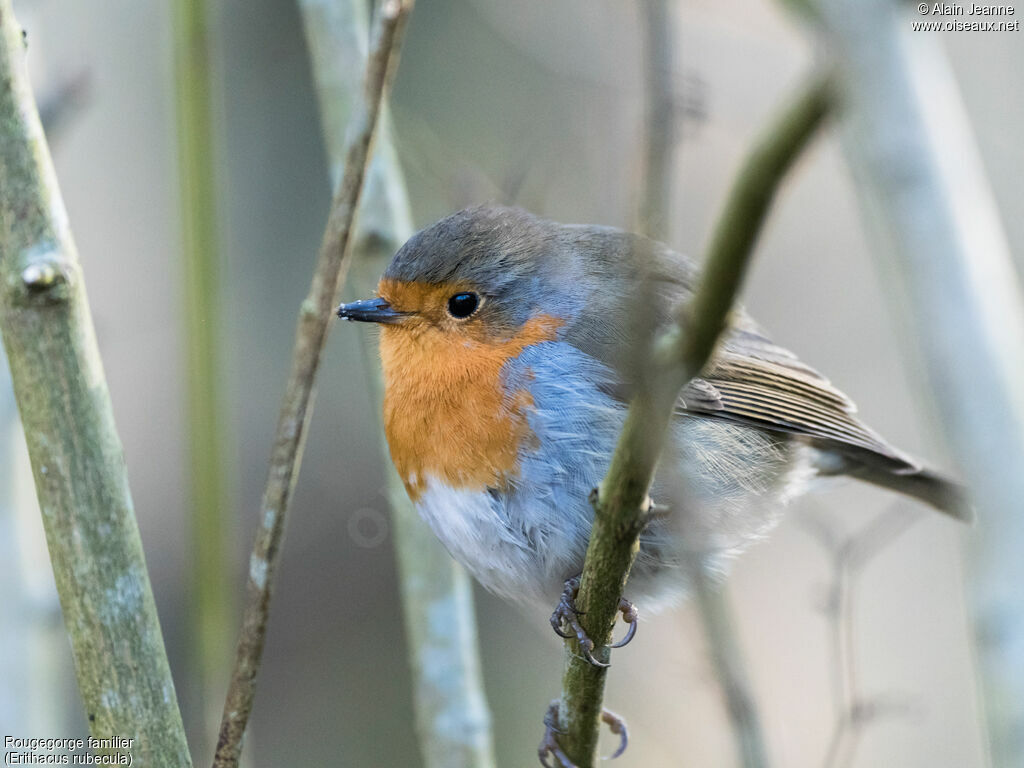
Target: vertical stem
column 730, row 669
column 656, row 189
column 209, row 504
column 453, row 721
column 76, row 455
column 660, row 123
column 909, row 144
column 315, row 315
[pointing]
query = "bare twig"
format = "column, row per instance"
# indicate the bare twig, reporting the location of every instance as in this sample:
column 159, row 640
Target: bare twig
column 660, row 123
column 908, row 140
column 850, row 556
column 453, row 721
column 620, row 501
column 296, row 409
column 727, row 660
column 76, row 455
column 663, row 133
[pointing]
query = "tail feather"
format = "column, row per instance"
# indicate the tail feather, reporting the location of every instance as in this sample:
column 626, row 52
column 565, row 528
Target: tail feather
column 945, row 495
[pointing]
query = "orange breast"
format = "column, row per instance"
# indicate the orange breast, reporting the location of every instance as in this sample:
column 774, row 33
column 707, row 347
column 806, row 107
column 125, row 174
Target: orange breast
column 446, row 412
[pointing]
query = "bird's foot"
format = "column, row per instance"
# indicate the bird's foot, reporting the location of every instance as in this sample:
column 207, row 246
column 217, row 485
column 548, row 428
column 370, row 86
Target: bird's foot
column 566, row 616
column 565, row 621
column 549, row 744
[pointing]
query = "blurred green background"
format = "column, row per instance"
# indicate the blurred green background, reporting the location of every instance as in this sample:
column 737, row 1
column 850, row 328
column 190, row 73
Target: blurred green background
column 535, row 103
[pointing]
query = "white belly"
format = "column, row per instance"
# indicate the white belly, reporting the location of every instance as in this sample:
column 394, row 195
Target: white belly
column 505, row 553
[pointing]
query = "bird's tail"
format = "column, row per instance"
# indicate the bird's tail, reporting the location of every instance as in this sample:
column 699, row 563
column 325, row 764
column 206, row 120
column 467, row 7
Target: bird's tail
column 945, row 495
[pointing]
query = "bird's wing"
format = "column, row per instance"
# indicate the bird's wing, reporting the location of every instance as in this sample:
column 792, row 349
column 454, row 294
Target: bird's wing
column 753, row 381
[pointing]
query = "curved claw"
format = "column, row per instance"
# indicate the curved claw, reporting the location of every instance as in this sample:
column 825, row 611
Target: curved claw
column 617, row 726
column 629, row 636
column 566, row 615
column 587, row 649
column 629, row 615
column 565, row 623
column 556, row 624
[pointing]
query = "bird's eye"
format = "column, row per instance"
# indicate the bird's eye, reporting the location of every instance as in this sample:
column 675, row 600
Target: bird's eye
column 462, row 305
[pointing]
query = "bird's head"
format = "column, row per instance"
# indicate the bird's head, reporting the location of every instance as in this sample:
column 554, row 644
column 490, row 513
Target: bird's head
column 478, row 275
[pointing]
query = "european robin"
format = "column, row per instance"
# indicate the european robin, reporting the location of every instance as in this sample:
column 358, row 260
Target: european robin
column 510, row 346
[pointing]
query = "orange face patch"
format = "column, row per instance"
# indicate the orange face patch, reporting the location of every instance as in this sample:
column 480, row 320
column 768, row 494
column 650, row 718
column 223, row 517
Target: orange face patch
column 446, row 413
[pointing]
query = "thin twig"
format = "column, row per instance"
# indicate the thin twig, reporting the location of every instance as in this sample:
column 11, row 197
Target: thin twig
column 77, row 460
column 727, row 660
column 660, row 124
column 296, row 409
column 679, row 355
column 663, row 133
column 850, row 556
column 452, row 720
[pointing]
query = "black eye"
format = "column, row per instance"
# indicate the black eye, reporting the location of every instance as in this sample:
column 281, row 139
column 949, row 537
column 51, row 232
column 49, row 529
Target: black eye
column 462, row 305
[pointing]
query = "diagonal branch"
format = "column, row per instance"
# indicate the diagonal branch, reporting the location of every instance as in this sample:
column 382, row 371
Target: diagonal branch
column 311, row 333
column 621, row 500
column 76, row 455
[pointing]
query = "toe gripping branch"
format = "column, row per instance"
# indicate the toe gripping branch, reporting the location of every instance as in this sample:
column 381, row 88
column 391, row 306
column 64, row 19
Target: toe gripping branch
column 549, row 744
column 566, row 623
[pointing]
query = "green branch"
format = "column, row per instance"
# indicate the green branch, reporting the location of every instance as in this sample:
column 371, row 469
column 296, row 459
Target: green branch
column 77, row 462
column 310, row 336
column 209, row 508
column 452, row 719
column 620, row 503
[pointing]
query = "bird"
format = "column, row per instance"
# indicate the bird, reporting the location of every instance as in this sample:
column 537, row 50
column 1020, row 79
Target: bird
column 511, row 346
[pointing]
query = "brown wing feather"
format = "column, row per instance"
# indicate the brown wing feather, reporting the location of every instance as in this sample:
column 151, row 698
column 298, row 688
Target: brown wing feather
column 759, row 383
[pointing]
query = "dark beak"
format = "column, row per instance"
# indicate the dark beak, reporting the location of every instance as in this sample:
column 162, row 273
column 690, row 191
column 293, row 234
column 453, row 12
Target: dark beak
column 370, row 311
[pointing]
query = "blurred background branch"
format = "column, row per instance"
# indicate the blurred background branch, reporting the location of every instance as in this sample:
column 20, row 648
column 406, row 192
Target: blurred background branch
column 297, row 407
column 849, row 557
column 727, row 660
column 663, row 132
column 77, row 462
column 452, row 719
column 209, row 505
column 941, row 244
column 620, row 505
column 661, row 128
